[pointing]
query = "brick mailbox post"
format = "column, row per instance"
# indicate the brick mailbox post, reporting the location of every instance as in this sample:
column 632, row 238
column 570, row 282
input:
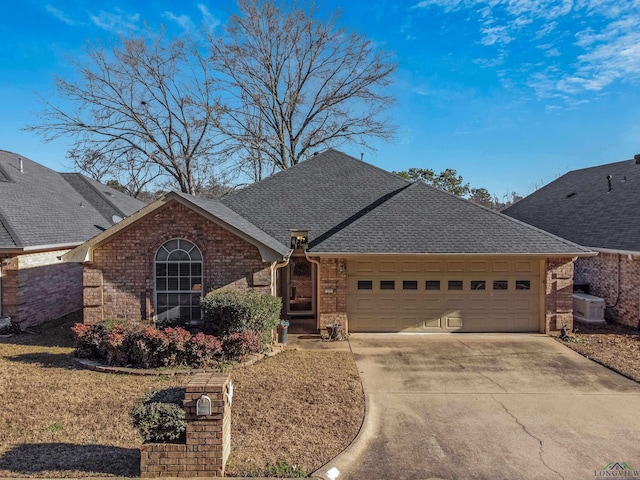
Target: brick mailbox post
column 207, row 405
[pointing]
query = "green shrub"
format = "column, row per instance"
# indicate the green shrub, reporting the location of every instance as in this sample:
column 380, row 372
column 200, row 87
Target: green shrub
column 235, row 311
column 160, row 417
column 159, row 422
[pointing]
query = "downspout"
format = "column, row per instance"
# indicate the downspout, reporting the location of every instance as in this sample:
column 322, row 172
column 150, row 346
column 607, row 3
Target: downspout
column 317, row 264
column 275, row 266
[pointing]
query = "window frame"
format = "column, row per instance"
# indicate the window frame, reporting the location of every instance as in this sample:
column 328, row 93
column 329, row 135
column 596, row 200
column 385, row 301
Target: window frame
column 167, row 291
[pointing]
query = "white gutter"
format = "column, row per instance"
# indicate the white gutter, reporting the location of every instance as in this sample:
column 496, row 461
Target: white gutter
column 453, row 254
column 610, row 250
column 37, row 248
column 275, row 266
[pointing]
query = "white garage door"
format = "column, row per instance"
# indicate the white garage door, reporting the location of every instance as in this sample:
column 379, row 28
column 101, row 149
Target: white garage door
column 484, row 295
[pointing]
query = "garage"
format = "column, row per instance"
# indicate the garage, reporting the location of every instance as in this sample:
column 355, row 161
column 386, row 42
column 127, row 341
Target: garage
column 426, row 294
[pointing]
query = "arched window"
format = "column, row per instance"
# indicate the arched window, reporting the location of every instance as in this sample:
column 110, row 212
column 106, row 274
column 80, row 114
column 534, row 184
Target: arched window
column 178, row 283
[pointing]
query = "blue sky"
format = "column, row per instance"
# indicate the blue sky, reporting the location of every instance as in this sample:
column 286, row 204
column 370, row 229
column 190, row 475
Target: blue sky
column 511, row 93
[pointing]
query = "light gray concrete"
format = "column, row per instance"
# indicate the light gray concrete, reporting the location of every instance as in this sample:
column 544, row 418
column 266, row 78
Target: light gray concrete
column 487, row 406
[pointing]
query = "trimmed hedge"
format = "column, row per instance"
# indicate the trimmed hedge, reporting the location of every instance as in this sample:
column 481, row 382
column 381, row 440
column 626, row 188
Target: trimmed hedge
column 228, row 312
column 148, row 347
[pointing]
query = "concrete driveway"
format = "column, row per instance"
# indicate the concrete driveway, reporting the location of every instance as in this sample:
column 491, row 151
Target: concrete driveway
column 493, row 406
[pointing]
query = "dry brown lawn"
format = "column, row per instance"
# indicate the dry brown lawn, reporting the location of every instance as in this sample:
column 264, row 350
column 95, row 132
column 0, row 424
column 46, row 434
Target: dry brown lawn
column 613, row 345
column 57, row 420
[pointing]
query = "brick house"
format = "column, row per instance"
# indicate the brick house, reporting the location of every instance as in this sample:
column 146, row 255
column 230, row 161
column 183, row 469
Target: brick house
column 598, row 207
column 338, row 240
column 43, row 214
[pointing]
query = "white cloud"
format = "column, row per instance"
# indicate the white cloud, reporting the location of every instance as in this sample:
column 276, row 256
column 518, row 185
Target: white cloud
column 208, row 19
column 493, row 35
column 586, row 46
column 60, row 15
column 183, row 21
column 117, row 22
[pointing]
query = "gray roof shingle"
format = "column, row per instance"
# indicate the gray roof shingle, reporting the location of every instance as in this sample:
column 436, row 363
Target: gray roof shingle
column 579, row 207
column 315, row 195
column 423, row 219
column 228, row 216
column 39, row 207
column 106, row 200
column 349, row 206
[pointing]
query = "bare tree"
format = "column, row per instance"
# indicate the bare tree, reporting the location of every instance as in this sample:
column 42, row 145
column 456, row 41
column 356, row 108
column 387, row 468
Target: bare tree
column 141, row 110
column 293, row 83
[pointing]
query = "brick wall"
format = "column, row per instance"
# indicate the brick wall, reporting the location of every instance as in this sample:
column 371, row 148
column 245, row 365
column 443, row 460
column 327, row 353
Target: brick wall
column 332, row 304
column 558, row 295
column 38, row 287
column 601, row 272
column 208, row 441
column 120, row 281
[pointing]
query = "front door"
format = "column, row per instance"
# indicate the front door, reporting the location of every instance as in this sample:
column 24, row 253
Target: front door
column 299, row 295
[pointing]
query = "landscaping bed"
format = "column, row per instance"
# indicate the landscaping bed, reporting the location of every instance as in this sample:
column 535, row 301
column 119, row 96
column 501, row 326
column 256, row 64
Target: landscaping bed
column 613, row 345
column 292, row 412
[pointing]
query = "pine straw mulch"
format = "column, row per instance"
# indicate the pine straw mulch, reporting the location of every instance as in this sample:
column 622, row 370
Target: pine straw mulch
column 299, row 407
column 613, row 345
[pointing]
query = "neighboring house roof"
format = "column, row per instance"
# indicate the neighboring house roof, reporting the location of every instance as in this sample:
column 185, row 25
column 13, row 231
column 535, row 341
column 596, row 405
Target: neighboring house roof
column 270, row 249
column 349, row 206
column 40, row 208
column 579, row 207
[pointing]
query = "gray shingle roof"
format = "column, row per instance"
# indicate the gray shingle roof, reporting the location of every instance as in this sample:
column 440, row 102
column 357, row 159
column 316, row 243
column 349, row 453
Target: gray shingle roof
column 579, row 207
column 423, row 219
column 39, row 207
column 228, row 216
column 106, row 200
column 315, row 195
column 349, row 206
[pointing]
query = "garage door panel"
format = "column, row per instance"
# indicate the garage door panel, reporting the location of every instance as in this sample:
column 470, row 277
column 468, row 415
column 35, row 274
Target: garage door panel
column 432, row 321
column 454, row 322
column 364, row 304
column 407, row 304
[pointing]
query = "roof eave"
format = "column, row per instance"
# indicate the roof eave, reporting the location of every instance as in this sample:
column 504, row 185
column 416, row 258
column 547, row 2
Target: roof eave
column 464, row 254
column 614, row 250
column 40, row 248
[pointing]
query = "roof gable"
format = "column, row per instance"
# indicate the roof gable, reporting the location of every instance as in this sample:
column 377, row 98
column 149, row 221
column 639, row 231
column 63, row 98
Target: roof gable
column 580, row 207
column 213, row 210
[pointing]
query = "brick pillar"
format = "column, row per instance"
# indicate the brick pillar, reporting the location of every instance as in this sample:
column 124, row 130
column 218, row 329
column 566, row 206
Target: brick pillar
column 208, row 443
column 559, row 295
column 213, row 431
column 332, row 304
column 92, row 301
